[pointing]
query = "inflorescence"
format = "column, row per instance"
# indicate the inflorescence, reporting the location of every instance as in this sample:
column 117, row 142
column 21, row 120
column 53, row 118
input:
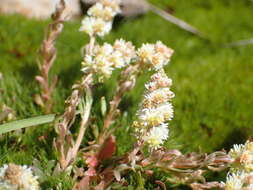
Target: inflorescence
column 155, row 55
column 155, row 110
column 100, row 18
column 108, row 57
column 14, row 177
column 239, row 181
column 241, row 172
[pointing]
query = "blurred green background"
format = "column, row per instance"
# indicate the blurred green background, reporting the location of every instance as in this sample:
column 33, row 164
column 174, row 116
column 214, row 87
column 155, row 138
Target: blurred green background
column 213, row 83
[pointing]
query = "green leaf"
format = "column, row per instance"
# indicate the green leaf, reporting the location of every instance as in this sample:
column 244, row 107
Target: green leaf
column 140, row 181
column 11, row 126
column 103, row 106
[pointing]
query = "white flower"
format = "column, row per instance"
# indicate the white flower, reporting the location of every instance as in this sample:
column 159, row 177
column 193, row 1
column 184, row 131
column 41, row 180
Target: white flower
column 117, row 59
column 157, row 97
column 146, row 52
column 113, row 4
column 156, row 136
column 155, row 55
column 155, row 110
column 100, row 11
column 236, row 151
column 100, row 18
column 239, row 181
column 158, row 61
column 161, row 80
column 150, row 117
column 98, row 65
column 167, row 111
column 87, row 24
column 243, row 156
column 95, row 26
column 95, row 10
column 234, row 181
column 104, row 50
column 163, row 50
column 126, row 49
column 156, row 116
column 104, row 60
column 14, row 177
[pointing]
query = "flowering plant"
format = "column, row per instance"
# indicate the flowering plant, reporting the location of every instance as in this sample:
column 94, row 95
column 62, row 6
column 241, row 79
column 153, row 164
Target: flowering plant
column 94, row 166
column 151, row 127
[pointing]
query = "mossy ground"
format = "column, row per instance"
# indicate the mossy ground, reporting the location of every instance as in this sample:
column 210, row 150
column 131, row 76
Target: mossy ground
column 213, row 83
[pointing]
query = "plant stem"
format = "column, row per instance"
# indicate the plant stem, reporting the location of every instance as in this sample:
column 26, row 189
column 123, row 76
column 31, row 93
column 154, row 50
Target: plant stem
column 48, row 54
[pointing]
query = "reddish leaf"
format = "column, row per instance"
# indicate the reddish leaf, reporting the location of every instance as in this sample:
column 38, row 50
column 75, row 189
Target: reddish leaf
column 100, row 186
column 108, row 148
column 91, row 172
column 84, row 184
column 92, row 161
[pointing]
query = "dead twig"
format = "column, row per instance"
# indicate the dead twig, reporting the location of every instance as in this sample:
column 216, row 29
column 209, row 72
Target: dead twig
column 240, row 43
column 180, row 23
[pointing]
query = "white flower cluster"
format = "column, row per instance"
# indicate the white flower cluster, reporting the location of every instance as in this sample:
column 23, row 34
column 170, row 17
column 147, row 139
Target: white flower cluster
column 108, row 57
column 241, row 172
column 239, row 181
column 156, row 55
column 14, row 177
column 243, row 157
column 155, row 111
column 100, row 18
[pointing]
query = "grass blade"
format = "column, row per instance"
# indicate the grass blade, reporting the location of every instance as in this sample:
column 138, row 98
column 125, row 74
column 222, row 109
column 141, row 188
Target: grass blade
column 39, row 120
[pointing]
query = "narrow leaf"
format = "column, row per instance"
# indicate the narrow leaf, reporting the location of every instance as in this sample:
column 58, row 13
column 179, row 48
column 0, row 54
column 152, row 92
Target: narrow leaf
column 11, row 126
column 103, row 106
